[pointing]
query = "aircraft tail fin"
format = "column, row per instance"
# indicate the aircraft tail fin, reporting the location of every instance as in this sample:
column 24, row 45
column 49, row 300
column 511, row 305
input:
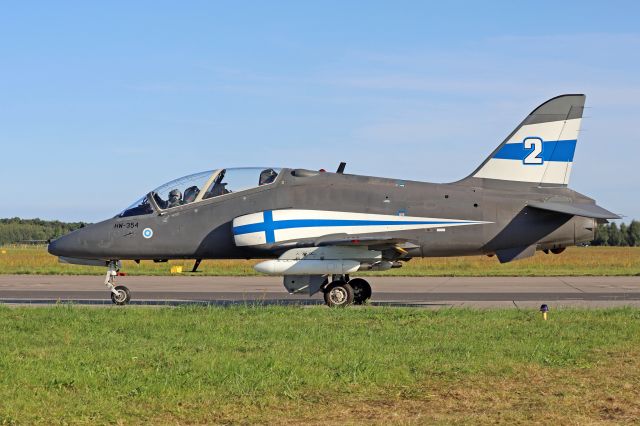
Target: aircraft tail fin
column 540, row 150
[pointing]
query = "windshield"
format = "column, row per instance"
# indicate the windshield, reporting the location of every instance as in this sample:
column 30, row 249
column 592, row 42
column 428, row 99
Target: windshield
column 182, row 191
column 138, row 208
column 202, row 186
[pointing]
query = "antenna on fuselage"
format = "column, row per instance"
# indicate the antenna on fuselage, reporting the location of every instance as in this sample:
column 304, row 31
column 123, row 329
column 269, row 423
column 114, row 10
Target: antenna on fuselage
column 341, row 167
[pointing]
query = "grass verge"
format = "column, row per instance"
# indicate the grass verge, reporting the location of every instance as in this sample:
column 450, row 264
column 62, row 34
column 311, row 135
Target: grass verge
column 575, row 261
column 291, row 364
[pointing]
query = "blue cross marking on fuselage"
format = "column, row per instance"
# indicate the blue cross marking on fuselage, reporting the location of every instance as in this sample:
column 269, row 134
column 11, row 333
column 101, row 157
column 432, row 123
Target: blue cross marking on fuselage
column 269, row 227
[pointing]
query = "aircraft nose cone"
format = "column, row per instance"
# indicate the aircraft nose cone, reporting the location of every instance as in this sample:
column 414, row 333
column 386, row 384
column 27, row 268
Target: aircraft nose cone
column 54, row 247
column 90, row 242
column 63, row 246
column 51, row 248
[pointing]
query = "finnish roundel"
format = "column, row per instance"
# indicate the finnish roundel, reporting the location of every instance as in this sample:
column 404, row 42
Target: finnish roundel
column 147, row 233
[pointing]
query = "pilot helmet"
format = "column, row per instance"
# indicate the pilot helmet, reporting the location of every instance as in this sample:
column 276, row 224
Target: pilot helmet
column 175, row 193
column 267, row 176
column 190, row 194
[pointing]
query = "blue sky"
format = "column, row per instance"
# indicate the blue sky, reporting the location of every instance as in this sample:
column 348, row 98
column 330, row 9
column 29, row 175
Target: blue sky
column 102, row 101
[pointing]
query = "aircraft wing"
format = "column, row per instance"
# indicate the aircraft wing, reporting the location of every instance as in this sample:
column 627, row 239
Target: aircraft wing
column 291, row 228
column 575, row 209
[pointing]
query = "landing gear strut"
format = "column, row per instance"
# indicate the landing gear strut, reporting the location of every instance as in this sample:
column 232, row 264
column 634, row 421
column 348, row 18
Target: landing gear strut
column 343, row 292
column 120, row 295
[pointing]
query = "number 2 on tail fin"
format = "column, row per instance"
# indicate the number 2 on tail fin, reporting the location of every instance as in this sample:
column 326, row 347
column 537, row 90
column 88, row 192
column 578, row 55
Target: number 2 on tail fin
column 535, row 145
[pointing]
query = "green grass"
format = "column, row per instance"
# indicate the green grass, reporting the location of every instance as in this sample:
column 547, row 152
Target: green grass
column 293, row 364
column 575, row 261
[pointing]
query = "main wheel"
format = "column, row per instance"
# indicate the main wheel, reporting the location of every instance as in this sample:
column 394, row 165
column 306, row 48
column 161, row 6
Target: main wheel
column 338, row 294
column 361, row 291
column 122, row 297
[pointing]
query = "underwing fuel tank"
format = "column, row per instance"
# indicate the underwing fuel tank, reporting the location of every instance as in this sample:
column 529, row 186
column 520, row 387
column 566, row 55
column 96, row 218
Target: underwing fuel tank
column 324, row 261
column 321, row 267
column 307, row 267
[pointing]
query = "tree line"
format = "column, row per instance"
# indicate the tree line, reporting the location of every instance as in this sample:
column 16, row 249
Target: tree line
column 610, row 234
column 16, row 230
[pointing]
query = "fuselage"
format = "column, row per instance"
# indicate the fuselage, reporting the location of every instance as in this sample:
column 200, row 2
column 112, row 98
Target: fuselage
column 203, row 230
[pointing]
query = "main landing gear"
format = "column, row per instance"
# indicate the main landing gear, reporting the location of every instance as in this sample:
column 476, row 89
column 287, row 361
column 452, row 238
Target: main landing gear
column 342, row 291
column 120, row 295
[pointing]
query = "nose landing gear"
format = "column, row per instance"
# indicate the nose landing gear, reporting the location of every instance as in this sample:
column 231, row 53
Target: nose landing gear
column 120, row 295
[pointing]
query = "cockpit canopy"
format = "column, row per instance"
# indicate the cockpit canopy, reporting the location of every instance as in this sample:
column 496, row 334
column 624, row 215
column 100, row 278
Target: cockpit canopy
column 202, row 186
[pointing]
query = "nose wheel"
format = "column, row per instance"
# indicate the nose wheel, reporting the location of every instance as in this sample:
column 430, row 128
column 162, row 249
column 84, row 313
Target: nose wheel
column 120, row 295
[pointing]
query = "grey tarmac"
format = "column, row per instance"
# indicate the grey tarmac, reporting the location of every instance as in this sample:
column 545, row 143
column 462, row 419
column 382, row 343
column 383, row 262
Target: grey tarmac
column 429, row 292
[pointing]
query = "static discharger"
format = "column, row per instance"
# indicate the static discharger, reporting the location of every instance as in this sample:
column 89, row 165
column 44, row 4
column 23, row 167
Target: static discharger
column 545, row 310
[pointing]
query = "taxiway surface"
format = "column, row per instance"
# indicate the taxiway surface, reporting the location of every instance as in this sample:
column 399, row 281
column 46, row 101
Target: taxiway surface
column 514, row 292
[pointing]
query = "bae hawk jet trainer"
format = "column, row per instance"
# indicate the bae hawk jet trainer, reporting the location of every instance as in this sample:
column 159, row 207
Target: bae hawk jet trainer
column 318, row 229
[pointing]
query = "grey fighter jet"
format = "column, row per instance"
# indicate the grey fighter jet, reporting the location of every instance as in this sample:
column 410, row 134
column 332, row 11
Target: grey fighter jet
column 318, row 229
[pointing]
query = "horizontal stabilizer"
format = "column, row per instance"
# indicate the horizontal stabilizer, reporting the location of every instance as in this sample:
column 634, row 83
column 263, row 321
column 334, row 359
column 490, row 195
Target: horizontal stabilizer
column 575, row 209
